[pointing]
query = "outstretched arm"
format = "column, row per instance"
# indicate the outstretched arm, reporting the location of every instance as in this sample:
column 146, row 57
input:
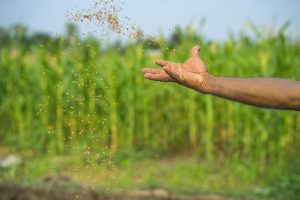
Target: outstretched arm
column 263, row 92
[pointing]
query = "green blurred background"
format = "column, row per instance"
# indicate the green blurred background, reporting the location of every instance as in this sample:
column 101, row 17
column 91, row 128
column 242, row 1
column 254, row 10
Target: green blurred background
column 79, row 107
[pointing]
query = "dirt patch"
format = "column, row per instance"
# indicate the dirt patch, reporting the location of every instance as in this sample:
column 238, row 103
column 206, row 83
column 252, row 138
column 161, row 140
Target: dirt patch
column 54, row 192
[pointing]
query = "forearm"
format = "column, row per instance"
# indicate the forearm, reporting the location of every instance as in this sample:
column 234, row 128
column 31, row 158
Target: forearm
column 263, row 92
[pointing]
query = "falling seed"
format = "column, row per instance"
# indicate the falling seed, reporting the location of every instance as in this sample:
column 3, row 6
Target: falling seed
column 107, row 15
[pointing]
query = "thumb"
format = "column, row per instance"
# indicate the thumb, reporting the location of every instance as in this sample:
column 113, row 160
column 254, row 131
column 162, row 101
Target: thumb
column 195, row 51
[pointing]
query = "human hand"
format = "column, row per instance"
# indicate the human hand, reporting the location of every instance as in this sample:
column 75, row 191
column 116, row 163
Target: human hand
column 192, row 73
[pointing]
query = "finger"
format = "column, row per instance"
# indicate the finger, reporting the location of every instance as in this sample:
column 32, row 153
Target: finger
column 157, row 74
column 195, row 51
column 152, row 71
column 164, row 63
column 175, row 72
column 158, row 77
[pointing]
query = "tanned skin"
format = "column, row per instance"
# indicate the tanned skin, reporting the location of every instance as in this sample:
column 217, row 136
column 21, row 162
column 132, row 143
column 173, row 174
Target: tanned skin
column 274, row 93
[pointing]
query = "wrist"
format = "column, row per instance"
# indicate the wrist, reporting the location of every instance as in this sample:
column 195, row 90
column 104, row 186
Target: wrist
column 207, row 84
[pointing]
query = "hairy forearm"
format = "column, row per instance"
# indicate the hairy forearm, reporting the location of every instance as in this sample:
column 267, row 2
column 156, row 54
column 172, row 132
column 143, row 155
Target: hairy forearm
column 263, row 92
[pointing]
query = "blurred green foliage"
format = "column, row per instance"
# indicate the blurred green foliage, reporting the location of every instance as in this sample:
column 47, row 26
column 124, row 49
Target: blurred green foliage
column 64, row 93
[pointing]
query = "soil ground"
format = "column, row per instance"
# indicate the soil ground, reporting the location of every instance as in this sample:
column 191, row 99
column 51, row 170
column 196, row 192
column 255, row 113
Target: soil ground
column 46, row 191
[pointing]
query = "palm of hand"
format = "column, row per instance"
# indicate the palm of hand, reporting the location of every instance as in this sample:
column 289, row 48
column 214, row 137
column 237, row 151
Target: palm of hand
column 191, row 73
column 195, row 65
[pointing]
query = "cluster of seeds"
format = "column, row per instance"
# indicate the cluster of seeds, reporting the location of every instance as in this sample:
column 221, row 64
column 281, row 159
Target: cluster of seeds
column 107, row 16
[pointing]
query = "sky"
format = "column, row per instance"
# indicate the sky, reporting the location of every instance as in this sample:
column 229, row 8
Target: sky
column 222, row 16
